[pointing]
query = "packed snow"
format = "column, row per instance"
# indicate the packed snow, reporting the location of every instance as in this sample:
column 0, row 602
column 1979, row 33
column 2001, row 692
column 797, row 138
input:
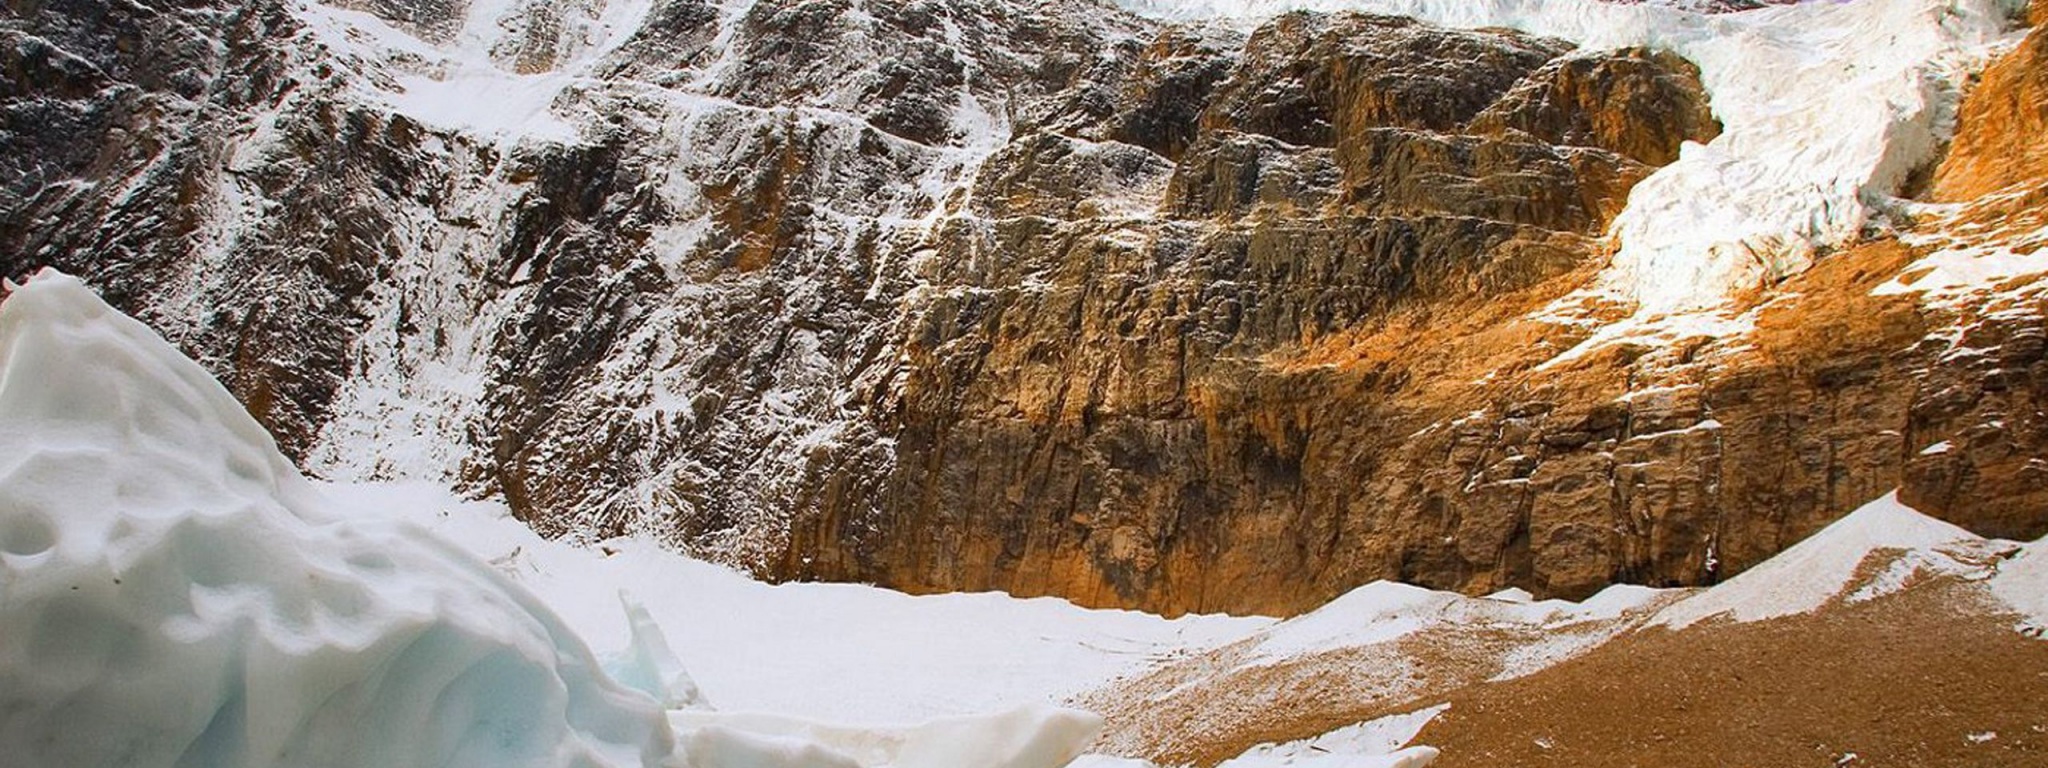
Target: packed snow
column 841, row 652
column 2022, row 583
column 1827, row 109
column 1380, row 743
column 1832, row 564
column 176, row 594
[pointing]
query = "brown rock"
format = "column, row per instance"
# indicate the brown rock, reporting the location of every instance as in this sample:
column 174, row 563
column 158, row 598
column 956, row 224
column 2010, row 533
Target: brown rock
column 1061, row 177
column 1403, row 172
column 1311, row 79
column 1234, row 174
column 1635, row 102
column 1998, row 137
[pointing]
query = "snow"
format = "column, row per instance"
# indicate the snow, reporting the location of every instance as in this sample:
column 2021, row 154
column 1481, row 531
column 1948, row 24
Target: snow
column 1827, row 108
column 1824, row 567
column 1377, row 742
column 1384, row 611
column 1374, row 613
column 2022, row 583
column 485, row 102
column 176, row 594
column 834, row 652
column 467, row 83
column 1965, row 259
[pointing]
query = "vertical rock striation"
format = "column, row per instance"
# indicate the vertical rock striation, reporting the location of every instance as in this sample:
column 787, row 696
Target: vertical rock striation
column 1042, row 297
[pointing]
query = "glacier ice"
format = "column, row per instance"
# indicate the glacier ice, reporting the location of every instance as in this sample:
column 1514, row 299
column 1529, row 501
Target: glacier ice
column 174, row 593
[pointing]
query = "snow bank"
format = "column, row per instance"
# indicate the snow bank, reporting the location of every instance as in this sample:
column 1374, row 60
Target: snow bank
column 843, row 653
column 1384, row 611
column 1027, row 737
column 173, row 593
column 1826, row 566
column 2022, row 582
column 1828, row 108
column 1380, row 743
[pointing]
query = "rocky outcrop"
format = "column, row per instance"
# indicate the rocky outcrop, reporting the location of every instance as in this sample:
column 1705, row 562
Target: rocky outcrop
column 1105, row 408
column 1041, row 297
column 1593, row 101
column 1982, row 399
column 1995, row 146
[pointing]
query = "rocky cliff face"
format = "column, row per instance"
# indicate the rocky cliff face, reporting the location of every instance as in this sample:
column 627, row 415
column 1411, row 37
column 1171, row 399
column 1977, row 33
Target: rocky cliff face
column 1044, row 297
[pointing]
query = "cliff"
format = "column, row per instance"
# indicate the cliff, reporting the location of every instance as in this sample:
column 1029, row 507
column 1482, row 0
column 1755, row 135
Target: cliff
column 1057, row 298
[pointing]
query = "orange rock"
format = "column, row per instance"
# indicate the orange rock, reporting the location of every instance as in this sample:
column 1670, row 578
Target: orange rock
column 1998, row 139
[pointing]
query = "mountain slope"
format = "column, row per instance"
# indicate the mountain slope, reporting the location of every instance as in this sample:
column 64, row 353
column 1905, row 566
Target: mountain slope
column 1063, row 299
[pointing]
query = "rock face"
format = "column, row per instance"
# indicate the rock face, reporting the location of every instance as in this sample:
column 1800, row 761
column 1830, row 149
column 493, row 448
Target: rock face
column 1995, row 148
column 1983, row 397
column 1042, row 297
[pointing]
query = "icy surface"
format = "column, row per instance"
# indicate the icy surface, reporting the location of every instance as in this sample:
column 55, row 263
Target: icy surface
column 1825, row 566
column 175, row 594
column 833, row 652
column 1827, row 108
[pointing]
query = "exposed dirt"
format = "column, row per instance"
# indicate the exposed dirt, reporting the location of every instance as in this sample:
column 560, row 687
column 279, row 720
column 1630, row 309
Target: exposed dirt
column 1907, row 680
column 1207, row 708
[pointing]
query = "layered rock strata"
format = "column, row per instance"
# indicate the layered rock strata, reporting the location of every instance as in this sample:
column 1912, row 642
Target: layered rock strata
column 1041, row 297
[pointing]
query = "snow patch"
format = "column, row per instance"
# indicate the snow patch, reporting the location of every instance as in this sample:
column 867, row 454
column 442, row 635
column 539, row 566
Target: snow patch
column 2022, row 583
column 1825, row 566
column 1378, row 743
column 1970, row 259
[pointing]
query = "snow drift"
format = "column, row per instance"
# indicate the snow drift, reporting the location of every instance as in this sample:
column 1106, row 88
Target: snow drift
column 173, row 593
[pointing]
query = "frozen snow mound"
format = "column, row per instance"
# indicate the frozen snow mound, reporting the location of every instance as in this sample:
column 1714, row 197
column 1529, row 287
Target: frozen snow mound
column 2022, row 583
column 1028, row 737
column 1834, row 564
column 173, row 593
